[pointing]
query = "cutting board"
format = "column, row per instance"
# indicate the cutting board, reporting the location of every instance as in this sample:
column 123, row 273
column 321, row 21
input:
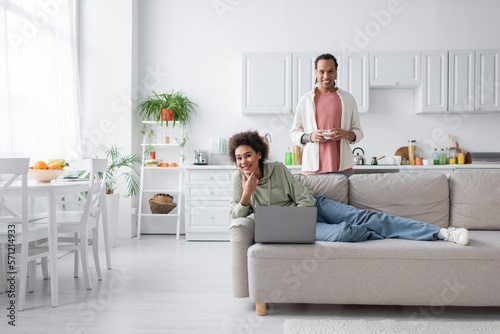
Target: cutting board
column 403, row 152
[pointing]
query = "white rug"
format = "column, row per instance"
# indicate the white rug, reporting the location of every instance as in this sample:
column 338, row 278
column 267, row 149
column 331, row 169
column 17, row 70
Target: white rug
column 297, row 326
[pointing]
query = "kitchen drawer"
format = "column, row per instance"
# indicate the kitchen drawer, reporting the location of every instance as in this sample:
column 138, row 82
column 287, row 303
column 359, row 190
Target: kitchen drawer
column 211, row 217
column 222, row 177
column 208, row 191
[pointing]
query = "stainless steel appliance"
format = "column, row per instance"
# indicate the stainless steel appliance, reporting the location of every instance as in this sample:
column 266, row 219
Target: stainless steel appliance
column 200, row 157
column 359, row 159
column 485, row 157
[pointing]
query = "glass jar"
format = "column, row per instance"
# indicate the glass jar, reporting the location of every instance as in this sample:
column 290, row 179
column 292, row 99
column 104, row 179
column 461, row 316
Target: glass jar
column 165, row 138
column 450, row 153
column 412, row 146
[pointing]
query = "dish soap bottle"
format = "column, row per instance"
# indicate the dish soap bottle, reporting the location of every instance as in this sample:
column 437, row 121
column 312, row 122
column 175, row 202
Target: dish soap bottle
column 442, row 157
column 435, row 157
column 288, row 157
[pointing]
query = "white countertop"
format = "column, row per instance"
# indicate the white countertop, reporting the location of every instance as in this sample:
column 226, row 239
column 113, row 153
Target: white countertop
column 429, row 167
column 371, row 167
column 228, row 167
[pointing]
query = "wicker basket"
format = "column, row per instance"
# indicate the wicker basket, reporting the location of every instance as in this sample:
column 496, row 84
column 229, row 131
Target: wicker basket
column 161, row 204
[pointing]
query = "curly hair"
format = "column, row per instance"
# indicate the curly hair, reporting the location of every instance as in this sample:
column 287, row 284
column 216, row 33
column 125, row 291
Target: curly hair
column 252, row 139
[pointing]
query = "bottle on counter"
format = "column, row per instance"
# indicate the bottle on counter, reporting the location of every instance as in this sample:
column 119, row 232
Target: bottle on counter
column 450, row 153
column 442, row 157
column 412, row 150
column 288, row 157
column 297, row 155
column 435, row 157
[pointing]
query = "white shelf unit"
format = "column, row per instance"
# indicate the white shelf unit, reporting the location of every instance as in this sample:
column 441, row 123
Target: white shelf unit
column 165, row 180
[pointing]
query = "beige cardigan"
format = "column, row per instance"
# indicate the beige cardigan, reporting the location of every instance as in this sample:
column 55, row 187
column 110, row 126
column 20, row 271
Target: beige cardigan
column 305, row 122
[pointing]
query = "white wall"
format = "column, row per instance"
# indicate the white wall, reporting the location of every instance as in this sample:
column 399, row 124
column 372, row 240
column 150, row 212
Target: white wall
column 130, row 48
column 200, row 48
column 106, row 72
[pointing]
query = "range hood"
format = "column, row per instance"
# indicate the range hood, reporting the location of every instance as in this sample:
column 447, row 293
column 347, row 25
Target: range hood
column 485, row 157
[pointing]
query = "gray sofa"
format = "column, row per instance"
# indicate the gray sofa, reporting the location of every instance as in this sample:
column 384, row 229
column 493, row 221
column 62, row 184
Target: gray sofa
column 389, row 271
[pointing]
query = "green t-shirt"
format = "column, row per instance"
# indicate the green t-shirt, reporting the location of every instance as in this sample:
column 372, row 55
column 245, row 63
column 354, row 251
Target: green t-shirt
column 278, row 187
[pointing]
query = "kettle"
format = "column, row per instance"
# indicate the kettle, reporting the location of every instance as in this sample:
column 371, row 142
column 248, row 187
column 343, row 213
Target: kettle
column 200, row 157
column 359, row 159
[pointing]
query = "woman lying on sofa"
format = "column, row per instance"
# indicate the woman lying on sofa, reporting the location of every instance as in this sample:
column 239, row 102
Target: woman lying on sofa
column 257, row 182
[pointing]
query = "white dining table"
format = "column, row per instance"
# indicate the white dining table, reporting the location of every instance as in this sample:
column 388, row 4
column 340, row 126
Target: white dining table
column 50, row 191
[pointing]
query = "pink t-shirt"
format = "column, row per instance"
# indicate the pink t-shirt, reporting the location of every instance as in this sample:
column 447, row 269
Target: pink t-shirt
column 328, row 116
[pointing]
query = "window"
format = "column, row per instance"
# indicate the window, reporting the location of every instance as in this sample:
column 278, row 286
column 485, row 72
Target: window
column 39, row 113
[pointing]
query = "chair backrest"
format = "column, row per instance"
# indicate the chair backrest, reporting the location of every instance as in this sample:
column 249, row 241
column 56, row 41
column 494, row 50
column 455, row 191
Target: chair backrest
column 97, row 189
column 13, row 169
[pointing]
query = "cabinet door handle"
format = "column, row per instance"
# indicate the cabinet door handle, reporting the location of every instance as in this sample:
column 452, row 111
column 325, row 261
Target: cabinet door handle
column 212, row 217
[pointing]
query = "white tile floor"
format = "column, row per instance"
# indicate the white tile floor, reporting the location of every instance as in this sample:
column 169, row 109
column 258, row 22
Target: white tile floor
column 161, row 285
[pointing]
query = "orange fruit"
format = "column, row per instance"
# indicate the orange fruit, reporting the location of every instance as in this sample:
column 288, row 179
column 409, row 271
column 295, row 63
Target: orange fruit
column 164, row 164
column 174, row 164
column 40, row 165
column 54, row 166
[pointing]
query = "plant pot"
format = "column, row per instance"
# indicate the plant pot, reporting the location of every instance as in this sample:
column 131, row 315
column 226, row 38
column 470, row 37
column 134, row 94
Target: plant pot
column 164, row 114
column 112, row 206
column 170, row 115
column 153, row 155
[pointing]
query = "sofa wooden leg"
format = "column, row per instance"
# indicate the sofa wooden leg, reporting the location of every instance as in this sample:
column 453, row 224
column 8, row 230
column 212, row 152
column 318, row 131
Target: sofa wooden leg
column 260, row 308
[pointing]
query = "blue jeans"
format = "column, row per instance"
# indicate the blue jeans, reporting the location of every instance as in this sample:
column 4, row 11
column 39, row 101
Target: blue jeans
column 341, row 222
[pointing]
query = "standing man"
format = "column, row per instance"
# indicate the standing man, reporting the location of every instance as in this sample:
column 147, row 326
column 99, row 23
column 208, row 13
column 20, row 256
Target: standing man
column 326, row 123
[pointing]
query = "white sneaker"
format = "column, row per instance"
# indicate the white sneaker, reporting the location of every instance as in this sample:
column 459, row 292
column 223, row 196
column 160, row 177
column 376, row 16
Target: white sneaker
column 457, row 235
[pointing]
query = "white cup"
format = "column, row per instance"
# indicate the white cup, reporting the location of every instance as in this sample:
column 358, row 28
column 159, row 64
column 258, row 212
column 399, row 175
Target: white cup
column 327, row 134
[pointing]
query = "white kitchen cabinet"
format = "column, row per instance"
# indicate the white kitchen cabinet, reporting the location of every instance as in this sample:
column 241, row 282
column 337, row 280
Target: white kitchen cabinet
column 207, row 214
column 266, row 86
column 303, row 75
column 161, row 180
column 487, row 80
column 207, row 194
column 395, row 69
column 356, row 78
column 461, row 91
column 433, row 94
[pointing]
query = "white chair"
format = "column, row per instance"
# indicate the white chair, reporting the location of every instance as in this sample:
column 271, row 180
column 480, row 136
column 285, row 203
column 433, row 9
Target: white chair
column 17, row 235
column 77, row 229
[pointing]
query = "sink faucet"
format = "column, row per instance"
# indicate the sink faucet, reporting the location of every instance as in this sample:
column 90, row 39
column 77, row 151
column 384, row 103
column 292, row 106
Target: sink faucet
column 267, row 138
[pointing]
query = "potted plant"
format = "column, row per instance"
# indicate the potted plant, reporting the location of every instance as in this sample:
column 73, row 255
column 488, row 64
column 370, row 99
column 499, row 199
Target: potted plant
column 150, row 151
column 117, row 162
column 174, row 106
column 155, row 107
column 182, row 107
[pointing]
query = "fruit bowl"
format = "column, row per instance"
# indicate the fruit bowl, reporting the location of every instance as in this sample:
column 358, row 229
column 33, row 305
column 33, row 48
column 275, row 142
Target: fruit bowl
column 44, row 175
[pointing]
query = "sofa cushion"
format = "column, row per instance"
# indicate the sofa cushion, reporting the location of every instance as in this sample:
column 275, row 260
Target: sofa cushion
column 419, row 196
column 333, row 186
column 475, row 199
column 388, row 271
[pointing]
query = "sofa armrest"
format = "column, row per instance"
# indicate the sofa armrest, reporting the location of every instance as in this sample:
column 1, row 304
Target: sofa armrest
column 241, row 235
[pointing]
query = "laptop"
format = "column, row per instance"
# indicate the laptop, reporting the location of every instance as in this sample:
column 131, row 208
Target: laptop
column 285, row 224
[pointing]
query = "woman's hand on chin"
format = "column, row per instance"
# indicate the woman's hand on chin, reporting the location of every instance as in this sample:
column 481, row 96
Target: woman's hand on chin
column 249, row 187
column 251, row 184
